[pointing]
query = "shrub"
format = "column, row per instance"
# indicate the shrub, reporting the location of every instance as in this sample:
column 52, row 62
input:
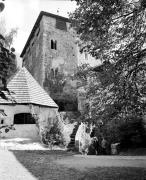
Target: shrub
column 129, row 132
column 132, row 133
column 51, row 136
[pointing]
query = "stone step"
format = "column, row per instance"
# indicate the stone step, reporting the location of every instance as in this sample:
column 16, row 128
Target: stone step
column 71, row 145
column 72, row 135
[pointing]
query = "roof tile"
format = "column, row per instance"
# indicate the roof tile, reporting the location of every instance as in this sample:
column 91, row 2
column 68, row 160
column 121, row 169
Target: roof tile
column 27, row 90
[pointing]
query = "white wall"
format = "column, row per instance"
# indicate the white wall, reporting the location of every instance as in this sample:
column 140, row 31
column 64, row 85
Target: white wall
column 29, row 131
column 11, row 110
column 26, row 130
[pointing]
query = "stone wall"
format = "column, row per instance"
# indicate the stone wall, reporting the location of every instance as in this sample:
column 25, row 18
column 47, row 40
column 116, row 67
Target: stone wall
column 59, row 63
column 33, row 57
column 47, row 63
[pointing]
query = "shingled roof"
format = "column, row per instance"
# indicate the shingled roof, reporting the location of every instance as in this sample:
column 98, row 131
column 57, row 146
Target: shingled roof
column 26, row 90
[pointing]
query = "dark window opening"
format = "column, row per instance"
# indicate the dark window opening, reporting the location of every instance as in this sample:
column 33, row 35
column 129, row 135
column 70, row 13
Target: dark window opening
column 56, row 72
column 54, row 44
column 24, row 118
column 61, row 25
column 2, row 121
column 67, row 105
column 52, row 72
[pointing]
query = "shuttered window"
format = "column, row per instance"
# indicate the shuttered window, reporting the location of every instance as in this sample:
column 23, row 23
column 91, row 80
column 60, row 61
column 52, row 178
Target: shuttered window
column 61, row 25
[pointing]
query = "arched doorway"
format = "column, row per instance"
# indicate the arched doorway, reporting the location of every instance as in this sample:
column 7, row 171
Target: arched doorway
column 25, row 128
column 23, row 118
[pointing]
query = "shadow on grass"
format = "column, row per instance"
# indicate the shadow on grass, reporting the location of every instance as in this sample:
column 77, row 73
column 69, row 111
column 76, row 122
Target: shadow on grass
column 42, row 165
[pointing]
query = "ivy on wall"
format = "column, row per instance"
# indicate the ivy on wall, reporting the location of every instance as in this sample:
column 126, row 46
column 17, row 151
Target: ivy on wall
column 61, row 90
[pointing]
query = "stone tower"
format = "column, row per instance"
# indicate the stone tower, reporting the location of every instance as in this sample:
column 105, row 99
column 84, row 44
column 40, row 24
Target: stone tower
column 50, row 54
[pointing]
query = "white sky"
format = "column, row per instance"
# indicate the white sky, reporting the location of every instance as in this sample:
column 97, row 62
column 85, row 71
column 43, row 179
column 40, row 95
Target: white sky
column 23, row 14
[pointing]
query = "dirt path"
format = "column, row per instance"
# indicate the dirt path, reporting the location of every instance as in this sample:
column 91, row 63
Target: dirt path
column 11, row 169
column 82, row 162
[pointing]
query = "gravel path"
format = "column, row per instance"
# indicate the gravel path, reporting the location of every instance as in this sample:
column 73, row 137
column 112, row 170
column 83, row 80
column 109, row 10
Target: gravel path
column 11, row 169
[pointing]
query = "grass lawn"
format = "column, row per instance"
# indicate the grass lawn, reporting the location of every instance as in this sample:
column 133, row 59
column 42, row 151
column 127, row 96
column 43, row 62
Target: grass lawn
column 43, row 166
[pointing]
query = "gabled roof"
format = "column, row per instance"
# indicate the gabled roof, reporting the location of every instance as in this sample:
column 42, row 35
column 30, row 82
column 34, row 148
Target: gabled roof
column 26, row 90
column 36, row 25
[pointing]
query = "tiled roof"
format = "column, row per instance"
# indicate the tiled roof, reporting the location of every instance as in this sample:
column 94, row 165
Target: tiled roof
column 27, row 90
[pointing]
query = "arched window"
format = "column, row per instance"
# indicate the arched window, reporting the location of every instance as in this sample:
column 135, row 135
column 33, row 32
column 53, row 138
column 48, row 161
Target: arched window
column 54, row 44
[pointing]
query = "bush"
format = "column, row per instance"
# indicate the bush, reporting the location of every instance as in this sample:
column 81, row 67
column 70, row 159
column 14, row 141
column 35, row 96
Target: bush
column 51, row 136
column 129, row 132
column 132, row 133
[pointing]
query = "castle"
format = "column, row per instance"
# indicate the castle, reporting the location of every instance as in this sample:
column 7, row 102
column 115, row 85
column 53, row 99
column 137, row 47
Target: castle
column 52, row 56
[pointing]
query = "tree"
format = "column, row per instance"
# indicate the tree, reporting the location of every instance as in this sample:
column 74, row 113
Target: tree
column 7, row 56
column 9, row 36
column 114, row 31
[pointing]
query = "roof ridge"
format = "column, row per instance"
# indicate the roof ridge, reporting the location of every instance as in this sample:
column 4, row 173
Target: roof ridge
column 26, row 83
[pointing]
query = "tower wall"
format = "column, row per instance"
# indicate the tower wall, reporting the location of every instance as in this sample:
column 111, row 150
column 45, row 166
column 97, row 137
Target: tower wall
column 51, row 57
column 33, row 57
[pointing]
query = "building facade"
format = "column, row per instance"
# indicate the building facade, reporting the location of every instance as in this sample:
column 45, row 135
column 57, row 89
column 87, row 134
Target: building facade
column 52, row 56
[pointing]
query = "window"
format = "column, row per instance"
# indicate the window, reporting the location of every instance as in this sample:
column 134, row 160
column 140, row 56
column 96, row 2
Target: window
column 54, row 44
column 52, row 72
column 61, row 25
column 56, row 72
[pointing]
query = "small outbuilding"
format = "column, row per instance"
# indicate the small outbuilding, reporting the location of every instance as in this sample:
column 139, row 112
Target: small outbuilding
column 26, row 99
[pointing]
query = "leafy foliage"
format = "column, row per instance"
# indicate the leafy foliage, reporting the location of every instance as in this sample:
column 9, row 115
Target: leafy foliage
column 7, row 128
column 7, row 58
column 132, row 133
column 7, row 65
column 114, row 31
column 52, row 136
column 9, row 36
column 61, row 90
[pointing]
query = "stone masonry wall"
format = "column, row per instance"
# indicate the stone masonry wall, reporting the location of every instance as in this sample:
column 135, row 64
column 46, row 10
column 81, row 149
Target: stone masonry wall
column 33, row 58
column 62, row 61
column 54, row 68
